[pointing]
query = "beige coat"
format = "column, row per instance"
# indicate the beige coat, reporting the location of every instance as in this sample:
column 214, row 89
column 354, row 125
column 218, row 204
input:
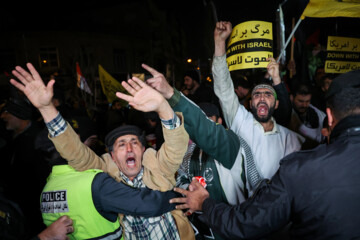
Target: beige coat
column 159, row 166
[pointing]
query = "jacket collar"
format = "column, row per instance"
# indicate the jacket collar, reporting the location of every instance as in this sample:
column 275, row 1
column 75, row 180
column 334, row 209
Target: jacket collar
column 348, row 125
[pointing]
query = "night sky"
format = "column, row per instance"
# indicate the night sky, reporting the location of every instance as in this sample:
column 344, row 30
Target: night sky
column 66, row 14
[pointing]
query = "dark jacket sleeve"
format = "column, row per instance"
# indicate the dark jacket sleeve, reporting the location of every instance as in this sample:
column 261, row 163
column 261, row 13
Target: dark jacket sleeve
column 111, row 197
column 218, row 142
column 282, row 114
column 265, row 212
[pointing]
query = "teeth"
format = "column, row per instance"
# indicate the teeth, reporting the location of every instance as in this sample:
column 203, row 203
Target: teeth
column 130, row 162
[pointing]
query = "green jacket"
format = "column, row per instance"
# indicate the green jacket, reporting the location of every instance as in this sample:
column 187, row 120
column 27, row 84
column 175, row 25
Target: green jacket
column 222, row 158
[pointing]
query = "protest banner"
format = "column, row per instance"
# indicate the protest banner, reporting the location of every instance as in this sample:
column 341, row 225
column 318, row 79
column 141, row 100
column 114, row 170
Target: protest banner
column 249, row 45
column 343, row 54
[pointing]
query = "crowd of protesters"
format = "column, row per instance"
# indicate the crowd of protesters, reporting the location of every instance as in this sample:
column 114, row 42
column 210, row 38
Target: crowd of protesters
column 269, row 148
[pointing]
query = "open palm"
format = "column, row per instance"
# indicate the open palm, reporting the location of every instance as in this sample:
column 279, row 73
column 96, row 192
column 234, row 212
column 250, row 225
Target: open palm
column 33, row 86
column 143, row 97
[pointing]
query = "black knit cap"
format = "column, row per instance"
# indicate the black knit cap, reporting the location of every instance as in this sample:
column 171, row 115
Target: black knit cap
column 346, row 80
column 18, row 107
column 121, row 131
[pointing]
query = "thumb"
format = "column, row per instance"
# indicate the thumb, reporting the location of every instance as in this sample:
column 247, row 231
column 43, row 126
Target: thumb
column 50, row 85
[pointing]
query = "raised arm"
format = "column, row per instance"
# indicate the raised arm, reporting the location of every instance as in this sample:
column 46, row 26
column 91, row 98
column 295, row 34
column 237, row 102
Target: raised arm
column 223, row 85
column 66, row 141
column 282, row 114
column 208, row 135
column 171, row 153
column 39, row 94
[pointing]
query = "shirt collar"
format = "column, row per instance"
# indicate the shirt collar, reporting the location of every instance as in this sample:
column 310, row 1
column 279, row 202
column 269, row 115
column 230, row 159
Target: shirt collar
column 136, row 181
column 275, row 129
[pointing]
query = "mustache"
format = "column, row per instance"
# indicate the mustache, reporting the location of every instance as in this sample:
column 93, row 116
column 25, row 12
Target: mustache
column 264, row 103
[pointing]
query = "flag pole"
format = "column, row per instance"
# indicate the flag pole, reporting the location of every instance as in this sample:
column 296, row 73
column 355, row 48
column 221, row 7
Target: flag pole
column 292, row 47
column 289, row 38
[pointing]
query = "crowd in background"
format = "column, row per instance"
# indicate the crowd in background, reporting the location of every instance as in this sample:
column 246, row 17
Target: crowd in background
column 28, row 155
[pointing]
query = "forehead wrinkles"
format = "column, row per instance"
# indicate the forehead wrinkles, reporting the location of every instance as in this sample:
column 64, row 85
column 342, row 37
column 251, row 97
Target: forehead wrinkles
column 126, row 138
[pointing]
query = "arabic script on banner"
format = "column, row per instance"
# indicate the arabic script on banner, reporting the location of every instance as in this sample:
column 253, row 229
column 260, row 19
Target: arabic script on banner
column 343, row 54
column 249, row 45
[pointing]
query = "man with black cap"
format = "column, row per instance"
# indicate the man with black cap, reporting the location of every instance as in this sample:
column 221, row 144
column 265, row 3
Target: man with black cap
column 25, row 171
column 315, row 189
column 127, row 159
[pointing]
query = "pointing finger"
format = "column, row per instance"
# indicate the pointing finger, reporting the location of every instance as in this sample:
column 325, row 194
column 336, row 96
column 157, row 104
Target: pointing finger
column 150, row 69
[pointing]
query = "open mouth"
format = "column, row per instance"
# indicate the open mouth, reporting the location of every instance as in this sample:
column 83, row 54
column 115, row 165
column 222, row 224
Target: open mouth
column 262, row 109
column 130, row 162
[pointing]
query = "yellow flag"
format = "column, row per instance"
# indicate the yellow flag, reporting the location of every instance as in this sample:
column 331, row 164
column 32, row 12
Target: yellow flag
column 109, row 85
column 332, row 8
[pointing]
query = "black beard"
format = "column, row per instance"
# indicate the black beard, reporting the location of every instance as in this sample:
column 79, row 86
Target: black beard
column 265, row 118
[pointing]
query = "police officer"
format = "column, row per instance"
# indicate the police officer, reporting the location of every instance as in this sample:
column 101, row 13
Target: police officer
column 317, row 190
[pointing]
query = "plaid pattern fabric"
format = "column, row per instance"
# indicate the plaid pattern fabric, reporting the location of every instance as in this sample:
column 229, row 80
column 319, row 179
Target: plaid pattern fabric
column 155, row 228
column 56, row 126
column 171, row 123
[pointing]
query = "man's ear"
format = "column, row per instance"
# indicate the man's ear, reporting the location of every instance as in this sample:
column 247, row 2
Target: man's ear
column 236, row 91
column 291, row 98
column 330, row 117
column 250, row 104
column 219, row 121
column 276, row 104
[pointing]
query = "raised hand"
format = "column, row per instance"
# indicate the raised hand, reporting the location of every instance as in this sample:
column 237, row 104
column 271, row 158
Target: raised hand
column 35, row 90
column 33, row 86
column 222, row 31
column 273, row 70
column 159, row 82
column 193, row 199
column 144, row 98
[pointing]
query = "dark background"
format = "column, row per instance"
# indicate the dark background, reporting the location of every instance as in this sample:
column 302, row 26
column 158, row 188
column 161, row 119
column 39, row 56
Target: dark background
column 191, row 20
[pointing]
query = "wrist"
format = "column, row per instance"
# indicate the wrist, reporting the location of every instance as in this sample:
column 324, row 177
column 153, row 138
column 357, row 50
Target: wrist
column 219, row 48
column 169, row 93
column 165, row 111
column 48, row 112
column 276, row 80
